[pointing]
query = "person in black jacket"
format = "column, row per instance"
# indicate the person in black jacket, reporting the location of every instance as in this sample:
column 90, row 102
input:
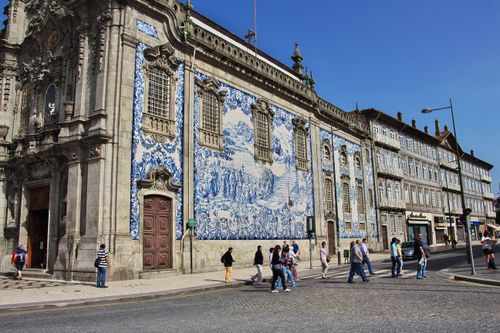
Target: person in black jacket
column 277, row 267
column 258, row 261
column 227, row 260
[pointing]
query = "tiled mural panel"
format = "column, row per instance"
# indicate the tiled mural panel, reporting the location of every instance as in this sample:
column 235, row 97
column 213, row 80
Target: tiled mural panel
column 147, row 153
column 239, row 198
column 365, row 175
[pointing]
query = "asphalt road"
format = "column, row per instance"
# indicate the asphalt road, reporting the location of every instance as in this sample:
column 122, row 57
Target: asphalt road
column 382, row 305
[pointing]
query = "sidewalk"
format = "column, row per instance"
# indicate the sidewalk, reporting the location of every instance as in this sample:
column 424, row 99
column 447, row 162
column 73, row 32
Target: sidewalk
column 463, row 271
column 38, row 293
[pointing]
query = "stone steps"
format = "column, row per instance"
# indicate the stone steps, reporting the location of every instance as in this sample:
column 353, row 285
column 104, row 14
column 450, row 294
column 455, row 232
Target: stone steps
column 158, row 274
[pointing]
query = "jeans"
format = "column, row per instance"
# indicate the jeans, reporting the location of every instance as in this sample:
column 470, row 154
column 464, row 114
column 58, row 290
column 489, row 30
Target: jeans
column 356, row 268
column 278, row 273
column 288, row 272
column 396, row 266
column 368, row 263
column 101, row 277
column 258, row 276
column 422, row 262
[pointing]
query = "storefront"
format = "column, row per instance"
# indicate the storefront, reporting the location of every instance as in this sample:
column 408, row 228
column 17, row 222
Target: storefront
column 475, row 230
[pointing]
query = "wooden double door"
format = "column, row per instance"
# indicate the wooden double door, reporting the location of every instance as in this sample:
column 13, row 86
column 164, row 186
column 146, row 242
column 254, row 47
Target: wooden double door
column 38, row 219
column 157, row 232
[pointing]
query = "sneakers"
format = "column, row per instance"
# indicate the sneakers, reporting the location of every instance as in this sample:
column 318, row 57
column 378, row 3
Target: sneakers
column 274, row 291
column 366, row 280
column 252, row 278
column 287, row 289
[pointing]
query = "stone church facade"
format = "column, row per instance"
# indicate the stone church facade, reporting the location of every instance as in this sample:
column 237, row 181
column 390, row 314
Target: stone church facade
column 123, row 120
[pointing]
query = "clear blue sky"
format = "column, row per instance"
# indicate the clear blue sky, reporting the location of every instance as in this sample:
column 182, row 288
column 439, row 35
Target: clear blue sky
column 392, row 55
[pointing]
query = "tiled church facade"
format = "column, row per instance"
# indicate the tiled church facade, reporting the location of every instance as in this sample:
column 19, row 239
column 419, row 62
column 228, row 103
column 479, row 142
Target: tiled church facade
column 122, row 121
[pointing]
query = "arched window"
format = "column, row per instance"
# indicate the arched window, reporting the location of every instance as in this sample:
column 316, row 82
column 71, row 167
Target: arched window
column 327, row 154
column 263, row 118
column 357, row 162
column 211, row 106
column 343, row 158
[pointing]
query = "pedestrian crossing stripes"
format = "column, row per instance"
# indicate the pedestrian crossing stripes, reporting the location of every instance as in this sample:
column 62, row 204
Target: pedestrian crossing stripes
column 383, row 273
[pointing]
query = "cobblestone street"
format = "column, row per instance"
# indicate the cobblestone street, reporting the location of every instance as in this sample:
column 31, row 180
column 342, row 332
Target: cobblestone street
column 382, row 305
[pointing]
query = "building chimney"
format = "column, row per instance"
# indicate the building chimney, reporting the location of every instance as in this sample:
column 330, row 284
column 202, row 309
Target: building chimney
column 446, row 128
column 426, row 130
column 414, row 123
column 472, row 152
column 438, row 130
column 400, row 116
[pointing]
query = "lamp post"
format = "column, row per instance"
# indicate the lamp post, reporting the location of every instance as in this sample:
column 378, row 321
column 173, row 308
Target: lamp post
column 465, row 212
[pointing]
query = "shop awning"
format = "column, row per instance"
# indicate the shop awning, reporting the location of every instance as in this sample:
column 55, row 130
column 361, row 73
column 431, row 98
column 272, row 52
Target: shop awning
column 492, row 226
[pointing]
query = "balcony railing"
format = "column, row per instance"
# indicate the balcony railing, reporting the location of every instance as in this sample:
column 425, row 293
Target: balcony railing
column 394, row 171
column 486, row 178
column 392, row 203
column 453, row 187
column 448, row 164
column 488, row 195
column 387, row 141
column 491, row 213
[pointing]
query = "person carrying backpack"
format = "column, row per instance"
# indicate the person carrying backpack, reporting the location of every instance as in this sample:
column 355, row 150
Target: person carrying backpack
column 227, row 260
column 19, row 259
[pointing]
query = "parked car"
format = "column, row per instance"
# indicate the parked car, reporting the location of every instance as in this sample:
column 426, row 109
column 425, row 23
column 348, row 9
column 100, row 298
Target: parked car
column 407, row 249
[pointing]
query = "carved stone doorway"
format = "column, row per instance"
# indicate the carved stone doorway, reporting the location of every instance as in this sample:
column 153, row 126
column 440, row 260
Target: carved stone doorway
column 157, row 232
column 38, row 220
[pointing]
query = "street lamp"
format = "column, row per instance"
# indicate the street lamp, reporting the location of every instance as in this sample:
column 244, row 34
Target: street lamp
column 465, row 212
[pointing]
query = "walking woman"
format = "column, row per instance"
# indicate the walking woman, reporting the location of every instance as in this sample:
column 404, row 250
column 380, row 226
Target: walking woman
column 395, row 269
column 324, row 257
column 286, row 260
column 277, row 268
column 258, row 261
column 400, row 256
column 487, row 245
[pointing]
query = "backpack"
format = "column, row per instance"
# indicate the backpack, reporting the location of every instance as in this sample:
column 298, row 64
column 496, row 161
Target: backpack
column 21, row 257
column 223, row 258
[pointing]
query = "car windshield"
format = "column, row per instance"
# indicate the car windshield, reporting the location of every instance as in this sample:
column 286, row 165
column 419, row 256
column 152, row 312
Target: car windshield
column 407, row 244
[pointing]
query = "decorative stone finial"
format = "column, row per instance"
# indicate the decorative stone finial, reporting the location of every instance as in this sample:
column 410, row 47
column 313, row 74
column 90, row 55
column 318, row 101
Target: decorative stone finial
column 297, row 60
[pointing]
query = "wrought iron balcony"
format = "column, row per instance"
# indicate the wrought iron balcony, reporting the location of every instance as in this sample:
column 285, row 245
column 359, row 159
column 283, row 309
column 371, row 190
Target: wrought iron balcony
column 393, row 171
column 392, row 203
column 486, row 178
column 386, row 141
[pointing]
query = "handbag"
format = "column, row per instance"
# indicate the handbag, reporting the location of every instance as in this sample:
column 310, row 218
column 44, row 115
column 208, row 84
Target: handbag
column 328, row 258
column 277, row 266
column 96, row 263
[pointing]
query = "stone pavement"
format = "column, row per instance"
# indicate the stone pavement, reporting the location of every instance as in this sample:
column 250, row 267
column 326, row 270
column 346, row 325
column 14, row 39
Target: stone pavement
column 37, row 293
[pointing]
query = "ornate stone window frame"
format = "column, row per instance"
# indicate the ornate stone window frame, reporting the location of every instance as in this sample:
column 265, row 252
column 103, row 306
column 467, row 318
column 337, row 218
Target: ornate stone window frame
column 263, row 153
column 326, row 148
column 301, row 133
column 158, row 182
column 160, row 58
column 343, row 157
column 207, row 137
column 360, row 199
column 358, row 162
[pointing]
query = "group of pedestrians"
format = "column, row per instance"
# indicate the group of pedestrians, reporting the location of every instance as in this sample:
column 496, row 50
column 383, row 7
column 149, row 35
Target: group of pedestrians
column 282, row 261
column 359, row 256
column 396, row 257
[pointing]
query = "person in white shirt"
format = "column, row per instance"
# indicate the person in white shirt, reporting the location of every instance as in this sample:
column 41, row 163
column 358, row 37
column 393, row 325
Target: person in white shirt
column 366, row 256
column 487, row 245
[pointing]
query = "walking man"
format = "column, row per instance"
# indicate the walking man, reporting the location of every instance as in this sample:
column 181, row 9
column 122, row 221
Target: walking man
column 227, row 260
column 366, row 258
column 420, row 254
column 356, row 263
column 258, row 261
column 323, row 256
column 103, row 257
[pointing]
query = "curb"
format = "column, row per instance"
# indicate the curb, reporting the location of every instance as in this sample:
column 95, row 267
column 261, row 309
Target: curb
column 476, row 280
column 138, row 297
